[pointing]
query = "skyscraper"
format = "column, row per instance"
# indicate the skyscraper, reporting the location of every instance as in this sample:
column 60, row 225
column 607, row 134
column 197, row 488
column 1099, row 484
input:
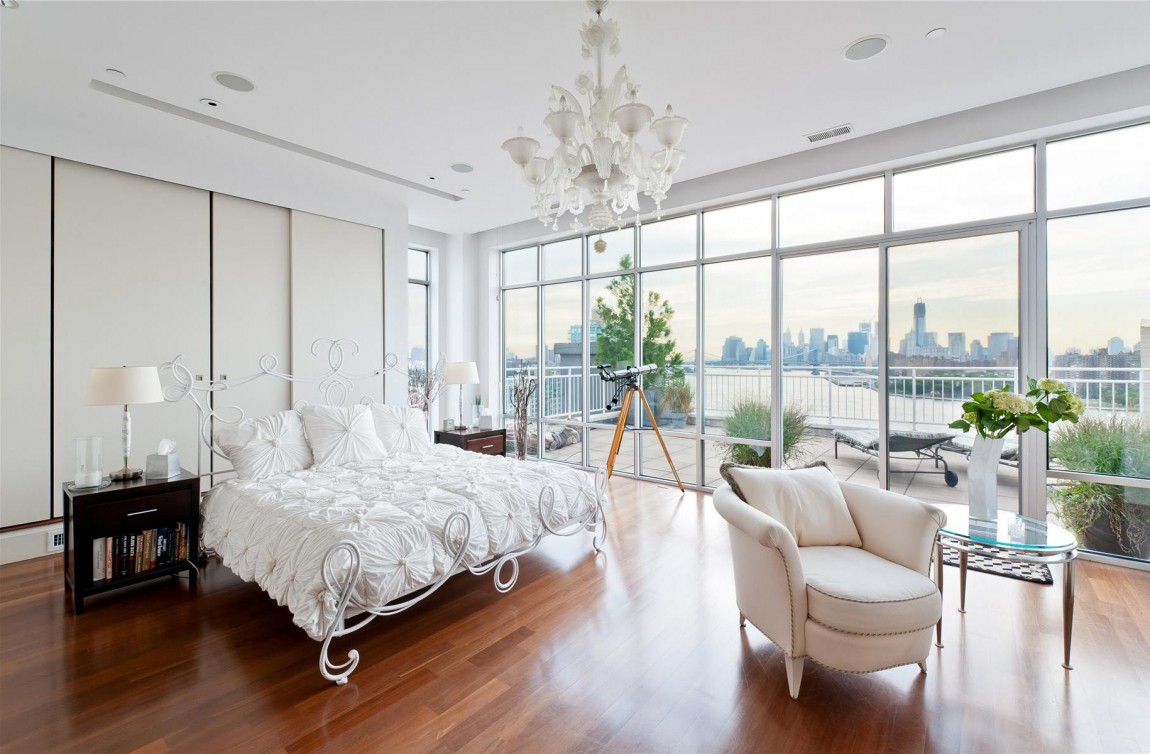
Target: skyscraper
column 857, row 342
column 818, row 339
column 956, row 344
column 733, row 349
column 919, row 324
column 762, row 353
column 997, row 344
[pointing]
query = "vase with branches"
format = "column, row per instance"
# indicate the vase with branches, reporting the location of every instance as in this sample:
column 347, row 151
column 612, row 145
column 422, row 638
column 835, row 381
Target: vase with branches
column 424, row 386
column 522, row 389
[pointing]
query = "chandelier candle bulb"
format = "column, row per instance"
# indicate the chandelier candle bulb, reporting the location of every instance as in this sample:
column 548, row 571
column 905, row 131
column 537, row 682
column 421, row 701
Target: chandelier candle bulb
column 598, row 162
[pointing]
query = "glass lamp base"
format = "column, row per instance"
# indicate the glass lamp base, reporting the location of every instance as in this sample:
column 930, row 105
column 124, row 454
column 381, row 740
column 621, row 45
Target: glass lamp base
column 126, row 475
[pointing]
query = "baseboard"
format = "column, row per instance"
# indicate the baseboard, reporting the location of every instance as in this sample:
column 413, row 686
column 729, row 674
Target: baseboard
column 25, row 544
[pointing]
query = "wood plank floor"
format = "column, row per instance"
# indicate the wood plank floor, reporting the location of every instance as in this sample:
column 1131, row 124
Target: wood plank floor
column 637, row 649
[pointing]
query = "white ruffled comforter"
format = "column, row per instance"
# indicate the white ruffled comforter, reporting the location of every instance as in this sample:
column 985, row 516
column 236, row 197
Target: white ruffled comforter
column 276, row 531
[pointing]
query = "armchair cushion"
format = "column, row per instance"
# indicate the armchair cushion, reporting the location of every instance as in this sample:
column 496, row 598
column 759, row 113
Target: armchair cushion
column 808, row 502
column 854, row 591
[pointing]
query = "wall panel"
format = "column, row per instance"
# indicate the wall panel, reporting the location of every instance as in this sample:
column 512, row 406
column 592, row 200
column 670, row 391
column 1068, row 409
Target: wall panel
column 251, row 304
column 131, row 287
column 25, row 336
column 336, row 292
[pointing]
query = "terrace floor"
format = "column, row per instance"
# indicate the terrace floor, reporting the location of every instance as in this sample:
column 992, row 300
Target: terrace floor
column 910, row 477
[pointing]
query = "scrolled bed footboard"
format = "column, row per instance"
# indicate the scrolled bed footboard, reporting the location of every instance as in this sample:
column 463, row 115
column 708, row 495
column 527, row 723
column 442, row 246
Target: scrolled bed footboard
column 456, row 534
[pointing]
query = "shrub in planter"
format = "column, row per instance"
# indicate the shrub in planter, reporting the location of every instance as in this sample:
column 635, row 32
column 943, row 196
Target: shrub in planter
column 752, row 420
column 1105, row 517
column 677, row 397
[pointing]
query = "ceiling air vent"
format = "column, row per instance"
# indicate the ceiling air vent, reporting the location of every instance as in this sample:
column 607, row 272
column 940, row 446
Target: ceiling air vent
column 830, row 133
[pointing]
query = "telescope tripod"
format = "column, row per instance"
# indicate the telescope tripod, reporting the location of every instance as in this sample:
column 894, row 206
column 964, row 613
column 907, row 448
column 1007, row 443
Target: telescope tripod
column 621, row 425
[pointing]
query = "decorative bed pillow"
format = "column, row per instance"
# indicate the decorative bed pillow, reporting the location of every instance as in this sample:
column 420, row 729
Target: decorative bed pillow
column 401, row 429
column 267, row 446
column 725, row 473
column 341, row 435
column 809, row 502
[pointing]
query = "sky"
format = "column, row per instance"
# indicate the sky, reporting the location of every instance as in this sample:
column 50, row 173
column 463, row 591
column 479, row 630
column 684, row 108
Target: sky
column 1098, row 265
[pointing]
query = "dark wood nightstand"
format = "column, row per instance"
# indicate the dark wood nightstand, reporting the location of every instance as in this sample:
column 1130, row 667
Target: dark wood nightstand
column 492, row 442
column 143, row 529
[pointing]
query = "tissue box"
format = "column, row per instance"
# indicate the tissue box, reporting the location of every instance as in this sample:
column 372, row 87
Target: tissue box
column 489, row 421
column 162, row 466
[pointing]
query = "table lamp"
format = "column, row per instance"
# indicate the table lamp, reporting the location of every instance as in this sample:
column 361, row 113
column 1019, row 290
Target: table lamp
column 119, row 386
column 461, row 373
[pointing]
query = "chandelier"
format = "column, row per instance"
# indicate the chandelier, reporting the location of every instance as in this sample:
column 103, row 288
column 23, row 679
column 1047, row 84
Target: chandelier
column 598, row 163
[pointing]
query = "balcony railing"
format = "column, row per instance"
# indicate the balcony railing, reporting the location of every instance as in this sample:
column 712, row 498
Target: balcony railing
column 920, row 397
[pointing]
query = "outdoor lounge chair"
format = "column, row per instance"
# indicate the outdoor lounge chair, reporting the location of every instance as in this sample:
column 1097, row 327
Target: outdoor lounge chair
column 964, row 444
column 917, row 446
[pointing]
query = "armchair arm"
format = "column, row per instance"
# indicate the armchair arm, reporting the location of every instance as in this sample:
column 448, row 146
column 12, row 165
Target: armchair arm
column 893, row 526
column 770, row 589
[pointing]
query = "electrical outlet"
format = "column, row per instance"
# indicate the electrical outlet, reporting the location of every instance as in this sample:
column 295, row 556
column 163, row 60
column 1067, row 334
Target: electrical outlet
column 55, row 540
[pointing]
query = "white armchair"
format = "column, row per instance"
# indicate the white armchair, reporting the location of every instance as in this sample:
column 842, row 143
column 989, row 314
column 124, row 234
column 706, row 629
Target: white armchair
column 854, row 609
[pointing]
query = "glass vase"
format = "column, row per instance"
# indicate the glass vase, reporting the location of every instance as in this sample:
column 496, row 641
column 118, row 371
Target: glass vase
column 982, row 478
column 89, row 461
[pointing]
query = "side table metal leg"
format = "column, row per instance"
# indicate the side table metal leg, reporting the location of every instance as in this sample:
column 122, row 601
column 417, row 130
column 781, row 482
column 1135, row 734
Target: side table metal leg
column 938, row 583
column 1067, row 611
column 962, row 557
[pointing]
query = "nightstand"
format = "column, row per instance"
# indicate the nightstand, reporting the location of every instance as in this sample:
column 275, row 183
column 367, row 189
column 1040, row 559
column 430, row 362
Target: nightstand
column 140, row 529
column 492, row 442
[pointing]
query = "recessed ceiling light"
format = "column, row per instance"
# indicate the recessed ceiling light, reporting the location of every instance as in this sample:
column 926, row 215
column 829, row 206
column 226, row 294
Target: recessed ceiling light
column 209, row 102
column 461, row 167
column 9, row 3
column 233, row 81
column 115, row 73
column 864, row 48
column 936, row 33
column 465, row 191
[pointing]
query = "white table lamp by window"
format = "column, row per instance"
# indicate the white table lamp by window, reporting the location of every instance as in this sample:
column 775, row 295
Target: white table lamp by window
column 120, row 386
column 461, row 373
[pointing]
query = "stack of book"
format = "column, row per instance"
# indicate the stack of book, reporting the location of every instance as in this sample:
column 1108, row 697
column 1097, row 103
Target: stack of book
column 129, row 554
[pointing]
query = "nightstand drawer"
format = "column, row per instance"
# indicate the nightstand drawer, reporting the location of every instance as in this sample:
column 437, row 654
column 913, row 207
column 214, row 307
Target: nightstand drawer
column 492, row 446
column 139, row 513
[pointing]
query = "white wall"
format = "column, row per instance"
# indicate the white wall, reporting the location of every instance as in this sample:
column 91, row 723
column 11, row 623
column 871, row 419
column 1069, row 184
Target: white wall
column 25, row 336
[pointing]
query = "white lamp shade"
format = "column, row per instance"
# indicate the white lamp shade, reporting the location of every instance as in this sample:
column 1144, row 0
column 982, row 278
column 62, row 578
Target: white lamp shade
column 119, row 386
column 461, row 373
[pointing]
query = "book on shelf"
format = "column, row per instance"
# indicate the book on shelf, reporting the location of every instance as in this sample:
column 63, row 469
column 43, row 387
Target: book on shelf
column 130, row 554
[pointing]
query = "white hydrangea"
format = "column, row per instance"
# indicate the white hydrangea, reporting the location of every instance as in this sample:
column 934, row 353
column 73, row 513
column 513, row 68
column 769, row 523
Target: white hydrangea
column 1052, row 386
column 1011, row 403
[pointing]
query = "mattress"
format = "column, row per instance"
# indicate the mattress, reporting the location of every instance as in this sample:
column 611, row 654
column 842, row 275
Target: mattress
column 277, row 531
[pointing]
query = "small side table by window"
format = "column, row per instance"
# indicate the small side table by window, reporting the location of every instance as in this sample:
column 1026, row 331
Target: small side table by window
column 143, row 529
column 492, row 442
column 1014, row 538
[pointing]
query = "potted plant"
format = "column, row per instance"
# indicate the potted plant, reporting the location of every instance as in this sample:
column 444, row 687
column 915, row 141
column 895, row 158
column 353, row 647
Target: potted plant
column 996, row 414
column 677, row 398
column 1108, row 518
column 752, row 420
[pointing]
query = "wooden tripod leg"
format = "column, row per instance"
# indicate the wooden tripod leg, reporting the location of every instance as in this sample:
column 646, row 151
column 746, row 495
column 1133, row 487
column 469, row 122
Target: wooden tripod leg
column 620, row 427
column 655, row 426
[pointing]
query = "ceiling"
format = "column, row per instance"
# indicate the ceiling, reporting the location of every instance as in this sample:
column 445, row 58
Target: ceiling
column 409, row 88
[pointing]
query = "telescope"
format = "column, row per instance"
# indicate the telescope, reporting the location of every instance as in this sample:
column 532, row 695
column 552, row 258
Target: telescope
column 630, row 374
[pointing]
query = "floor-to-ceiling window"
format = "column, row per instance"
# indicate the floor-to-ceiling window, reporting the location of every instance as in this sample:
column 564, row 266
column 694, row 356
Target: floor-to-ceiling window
column 419, row 356
column 825, row 324
column 1098, row 310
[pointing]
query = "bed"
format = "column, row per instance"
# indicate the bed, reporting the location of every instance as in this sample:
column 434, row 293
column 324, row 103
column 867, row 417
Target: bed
column 347, row 513
column 914, row 446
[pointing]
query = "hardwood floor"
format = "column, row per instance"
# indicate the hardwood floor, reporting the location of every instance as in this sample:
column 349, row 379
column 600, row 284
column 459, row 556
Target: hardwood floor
column 637, row 649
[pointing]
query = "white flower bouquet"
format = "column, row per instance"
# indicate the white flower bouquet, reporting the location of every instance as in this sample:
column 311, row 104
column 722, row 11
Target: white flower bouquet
column 996, row 413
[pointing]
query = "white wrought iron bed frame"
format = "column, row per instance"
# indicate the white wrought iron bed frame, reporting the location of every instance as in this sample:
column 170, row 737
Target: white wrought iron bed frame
column 336, row 385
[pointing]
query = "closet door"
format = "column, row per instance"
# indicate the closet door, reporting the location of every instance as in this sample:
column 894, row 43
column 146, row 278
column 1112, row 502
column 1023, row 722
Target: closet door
column 25, row 337
column 336, row 292
column 131, row 288
column 251, row 311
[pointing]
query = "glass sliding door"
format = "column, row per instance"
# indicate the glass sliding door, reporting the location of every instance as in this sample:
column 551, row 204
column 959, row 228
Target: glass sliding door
column 953, row 330
column 564, row 372
column 830, row 373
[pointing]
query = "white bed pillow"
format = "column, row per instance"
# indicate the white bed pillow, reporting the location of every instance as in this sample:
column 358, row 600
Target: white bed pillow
column 401, row 429
column 341, row 435
column 266, row 446
column 809, row 502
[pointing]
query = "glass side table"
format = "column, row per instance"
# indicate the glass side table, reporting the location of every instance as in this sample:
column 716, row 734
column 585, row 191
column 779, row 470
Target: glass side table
column 1015, row 538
